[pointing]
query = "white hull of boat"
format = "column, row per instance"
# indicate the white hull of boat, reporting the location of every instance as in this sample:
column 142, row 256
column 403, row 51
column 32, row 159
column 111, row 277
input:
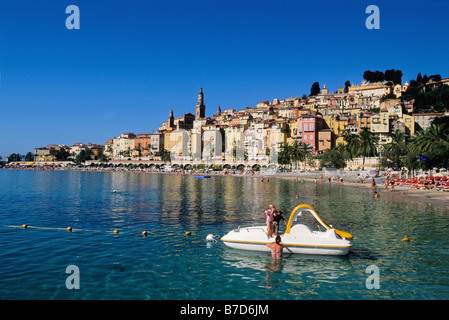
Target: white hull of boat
column 257, row 241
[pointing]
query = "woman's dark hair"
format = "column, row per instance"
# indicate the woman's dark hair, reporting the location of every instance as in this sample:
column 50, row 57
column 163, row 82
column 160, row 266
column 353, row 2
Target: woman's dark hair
column 278, row 239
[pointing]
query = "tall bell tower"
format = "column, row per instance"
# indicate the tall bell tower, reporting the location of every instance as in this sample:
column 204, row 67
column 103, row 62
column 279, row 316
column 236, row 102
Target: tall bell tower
column 200, row 107
column 171, row 120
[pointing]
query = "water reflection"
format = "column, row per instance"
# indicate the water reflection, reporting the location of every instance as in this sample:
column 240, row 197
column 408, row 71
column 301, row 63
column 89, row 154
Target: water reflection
column 297, row 269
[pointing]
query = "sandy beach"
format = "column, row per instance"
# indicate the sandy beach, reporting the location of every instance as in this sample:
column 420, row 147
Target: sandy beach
column 432, row 197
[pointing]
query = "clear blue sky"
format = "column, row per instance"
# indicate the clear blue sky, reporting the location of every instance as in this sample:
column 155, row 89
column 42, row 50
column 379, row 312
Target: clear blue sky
column 132, row 61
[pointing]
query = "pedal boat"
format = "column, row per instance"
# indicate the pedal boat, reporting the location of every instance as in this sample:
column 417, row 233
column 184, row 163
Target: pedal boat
column 306, row 233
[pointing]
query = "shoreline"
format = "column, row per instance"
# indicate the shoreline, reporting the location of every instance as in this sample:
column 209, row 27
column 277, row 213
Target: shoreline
column 432, row 197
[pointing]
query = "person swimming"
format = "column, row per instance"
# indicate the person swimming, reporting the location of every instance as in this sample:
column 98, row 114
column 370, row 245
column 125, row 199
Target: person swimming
column 276, row 248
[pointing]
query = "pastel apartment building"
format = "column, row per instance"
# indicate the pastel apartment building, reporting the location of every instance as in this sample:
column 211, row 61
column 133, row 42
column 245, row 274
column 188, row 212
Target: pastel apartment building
column 309, row 126
column 325, row 140
column 425, row 119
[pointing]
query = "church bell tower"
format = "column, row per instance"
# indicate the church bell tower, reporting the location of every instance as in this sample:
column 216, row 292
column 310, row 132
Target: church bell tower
column 200, row 107
column 171, row 120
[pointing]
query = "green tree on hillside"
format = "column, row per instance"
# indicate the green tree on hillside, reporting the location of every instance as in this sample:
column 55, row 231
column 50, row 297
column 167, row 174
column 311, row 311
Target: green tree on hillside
column 315, row 89
column 347, row 85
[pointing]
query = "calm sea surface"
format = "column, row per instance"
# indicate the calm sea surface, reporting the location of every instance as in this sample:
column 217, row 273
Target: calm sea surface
column 167, row 264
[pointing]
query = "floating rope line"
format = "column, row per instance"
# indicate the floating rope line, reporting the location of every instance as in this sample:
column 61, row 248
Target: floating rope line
column 24, row 226
column 70, row 229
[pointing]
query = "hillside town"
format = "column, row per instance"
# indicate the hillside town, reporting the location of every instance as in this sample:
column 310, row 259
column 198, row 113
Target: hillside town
column 319, row 122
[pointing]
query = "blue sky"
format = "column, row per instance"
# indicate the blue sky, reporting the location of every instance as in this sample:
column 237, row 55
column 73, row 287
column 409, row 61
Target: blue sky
column 132, row 61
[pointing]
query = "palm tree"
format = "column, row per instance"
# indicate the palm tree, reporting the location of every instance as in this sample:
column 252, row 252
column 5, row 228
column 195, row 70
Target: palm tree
column 298, row 152
column 426, row 140
column 306, row 150
column 165, row 155
column 348, row 137
column 397, row 148
column 364, row 144
column 102, row 157
column 284, row 155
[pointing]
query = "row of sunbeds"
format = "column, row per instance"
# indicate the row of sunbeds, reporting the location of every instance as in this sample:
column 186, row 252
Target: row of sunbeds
column 430, row 182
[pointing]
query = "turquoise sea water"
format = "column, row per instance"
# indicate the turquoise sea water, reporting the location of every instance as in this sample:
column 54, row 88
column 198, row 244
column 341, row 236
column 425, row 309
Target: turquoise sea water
column 167, row 264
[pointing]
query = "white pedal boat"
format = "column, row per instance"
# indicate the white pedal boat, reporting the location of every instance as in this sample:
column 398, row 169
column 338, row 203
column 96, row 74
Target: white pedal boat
column 306, row 233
